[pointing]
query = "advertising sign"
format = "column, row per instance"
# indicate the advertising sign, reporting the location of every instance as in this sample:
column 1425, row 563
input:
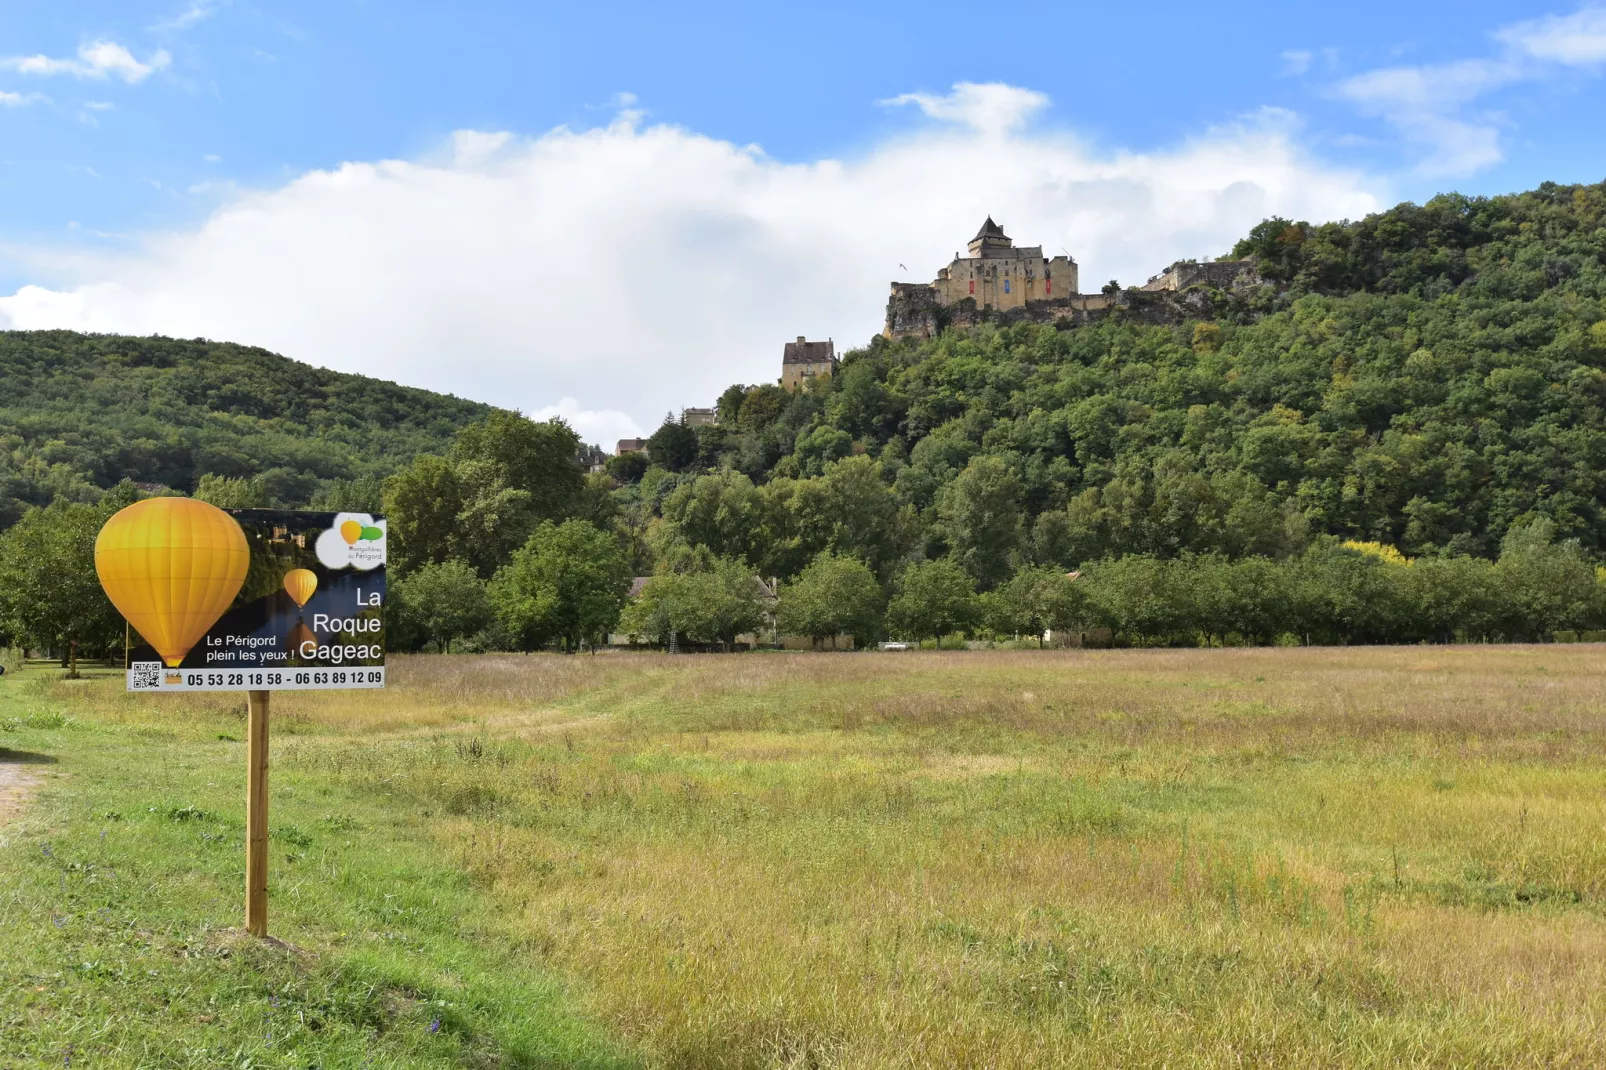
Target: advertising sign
column 308, row 612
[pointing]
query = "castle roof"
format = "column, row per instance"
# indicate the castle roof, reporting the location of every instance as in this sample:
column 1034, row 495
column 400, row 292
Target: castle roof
column 801, row 352
column 990, row 229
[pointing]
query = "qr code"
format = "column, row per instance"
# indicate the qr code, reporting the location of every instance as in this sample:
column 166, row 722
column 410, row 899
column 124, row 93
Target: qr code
column 145, row 675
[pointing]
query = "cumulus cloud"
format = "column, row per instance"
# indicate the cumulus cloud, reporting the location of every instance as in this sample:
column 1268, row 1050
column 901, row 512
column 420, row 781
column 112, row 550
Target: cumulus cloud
column 601, row 427
column 1577, row 40
column 1426, row 104
column 1432, row 104
column 97, row 60
column 21, row 100
column 987, row 108
column 635, row 269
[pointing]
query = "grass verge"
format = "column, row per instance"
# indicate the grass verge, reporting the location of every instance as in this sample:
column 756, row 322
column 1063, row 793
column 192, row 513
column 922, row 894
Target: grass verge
column 121, row 890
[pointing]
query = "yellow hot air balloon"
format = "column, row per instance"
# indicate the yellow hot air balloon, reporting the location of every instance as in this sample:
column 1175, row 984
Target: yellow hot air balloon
column 171, row 566
column 351, row 531
column 299, row 583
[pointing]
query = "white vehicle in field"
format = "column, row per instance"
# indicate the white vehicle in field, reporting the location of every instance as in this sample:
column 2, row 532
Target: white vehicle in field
column 894, row 646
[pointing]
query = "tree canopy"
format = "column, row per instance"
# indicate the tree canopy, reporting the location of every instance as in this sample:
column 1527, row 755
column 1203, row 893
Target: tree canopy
column 81, row 413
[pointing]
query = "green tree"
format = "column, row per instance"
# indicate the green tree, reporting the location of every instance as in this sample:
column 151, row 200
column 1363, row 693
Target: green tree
column 365, row 494
column 506, row 450
column 49, row 590
column 1037, row 600
column 628, row 467
column 568, row 584
column 673, row 446
column 729, row 405
column 835, row 595
column 1546, row 586
column 227, row 493
column 980, row 514
column 1052, row 538
column 722, row 511
column 422, row 503
column 761, row 407
column 1456, row 596
column 710, row 606
column 444, row 601
column 1143, row 600
column 935, row 598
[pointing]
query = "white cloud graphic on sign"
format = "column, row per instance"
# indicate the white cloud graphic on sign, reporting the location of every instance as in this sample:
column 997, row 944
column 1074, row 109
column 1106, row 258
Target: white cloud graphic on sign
column 354, row 540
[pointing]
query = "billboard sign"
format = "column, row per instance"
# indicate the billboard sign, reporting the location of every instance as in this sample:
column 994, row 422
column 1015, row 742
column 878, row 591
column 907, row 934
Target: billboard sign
column 309, row 612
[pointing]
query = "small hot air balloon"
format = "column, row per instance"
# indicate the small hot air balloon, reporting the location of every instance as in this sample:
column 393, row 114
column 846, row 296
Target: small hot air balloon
column 299, row 583
column 171, row 566
column 351, row 531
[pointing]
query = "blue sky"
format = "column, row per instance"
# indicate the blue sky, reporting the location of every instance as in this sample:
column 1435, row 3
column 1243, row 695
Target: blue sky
column 778, row 161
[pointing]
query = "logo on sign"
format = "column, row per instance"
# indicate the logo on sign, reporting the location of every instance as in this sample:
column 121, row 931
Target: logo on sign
column 354, row 540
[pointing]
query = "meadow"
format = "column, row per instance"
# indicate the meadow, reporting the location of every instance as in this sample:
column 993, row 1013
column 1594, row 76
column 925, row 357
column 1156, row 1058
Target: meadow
column 1315, row 857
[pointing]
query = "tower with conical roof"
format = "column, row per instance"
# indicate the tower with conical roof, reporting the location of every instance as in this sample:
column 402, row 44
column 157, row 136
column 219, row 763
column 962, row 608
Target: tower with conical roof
column 991, row 241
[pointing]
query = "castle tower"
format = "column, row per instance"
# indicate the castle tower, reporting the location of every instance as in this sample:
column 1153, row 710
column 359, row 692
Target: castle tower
column 991, row 241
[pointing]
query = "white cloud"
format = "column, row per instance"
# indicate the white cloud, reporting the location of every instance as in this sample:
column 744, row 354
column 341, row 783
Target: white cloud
column 98, row 60
column 647, row 268
column 1431, row 105
column 601, row 427
column 1425, row 103
column 21, row 100
column 196, row 11
column 1578, row 39
column 987, row 108
column 1296, row 62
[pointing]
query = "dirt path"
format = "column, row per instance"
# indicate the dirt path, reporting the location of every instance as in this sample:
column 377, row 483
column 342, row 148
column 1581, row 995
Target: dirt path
column 18, row 779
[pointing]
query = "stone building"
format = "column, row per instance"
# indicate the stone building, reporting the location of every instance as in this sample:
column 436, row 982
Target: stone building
column 997, row 276
column 1001, row 276
column 803, row 360
column 694, row 417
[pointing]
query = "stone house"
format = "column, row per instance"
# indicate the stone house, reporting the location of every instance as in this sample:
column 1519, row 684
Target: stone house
column 803, row 360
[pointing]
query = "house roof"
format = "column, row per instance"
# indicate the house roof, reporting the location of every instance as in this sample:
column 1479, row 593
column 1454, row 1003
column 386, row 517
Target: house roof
column 801, row 352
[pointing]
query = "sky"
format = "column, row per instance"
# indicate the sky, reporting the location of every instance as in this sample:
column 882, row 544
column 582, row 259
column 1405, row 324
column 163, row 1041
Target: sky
column 609, row 213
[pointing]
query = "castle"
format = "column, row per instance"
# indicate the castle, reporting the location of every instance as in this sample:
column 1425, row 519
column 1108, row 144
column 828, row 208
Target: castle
column 1003, row 281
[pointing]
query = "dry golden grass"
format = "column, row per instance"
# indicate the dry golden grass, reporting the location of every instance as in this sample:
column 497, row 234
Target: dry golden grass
column 1340, row 857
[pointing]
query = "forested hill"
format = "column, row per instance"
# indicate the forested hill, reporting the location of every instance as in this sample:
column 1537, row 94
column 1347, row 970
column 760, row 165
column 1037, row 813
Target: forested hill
column 1427, row 378
column 79, row 413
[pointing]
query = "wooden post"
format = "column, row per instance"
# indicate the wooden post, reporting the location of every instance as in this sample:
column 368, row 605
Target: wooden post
column 256, row 815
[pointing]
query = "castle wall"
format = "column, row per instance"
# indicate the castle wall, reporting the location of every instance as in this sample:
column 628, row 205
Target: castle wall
column 913, row 311
column 1222, row 274
column 1004, row 282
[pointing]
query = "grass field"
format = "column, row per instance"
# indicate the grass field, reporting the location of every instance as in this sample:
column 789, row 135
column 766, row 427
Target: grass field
column 1340, row 857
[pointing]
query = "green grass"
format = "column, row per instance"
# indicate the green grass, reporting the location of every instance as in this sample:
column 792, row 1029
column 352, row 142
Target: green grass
column 121, row 893
column 1356, row 857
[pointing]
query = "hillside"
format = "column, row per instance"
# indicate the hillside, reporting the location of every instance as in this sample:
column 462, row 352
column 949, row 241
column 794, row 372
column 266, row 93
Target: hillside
column 80, row 413
column 1427, row 377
